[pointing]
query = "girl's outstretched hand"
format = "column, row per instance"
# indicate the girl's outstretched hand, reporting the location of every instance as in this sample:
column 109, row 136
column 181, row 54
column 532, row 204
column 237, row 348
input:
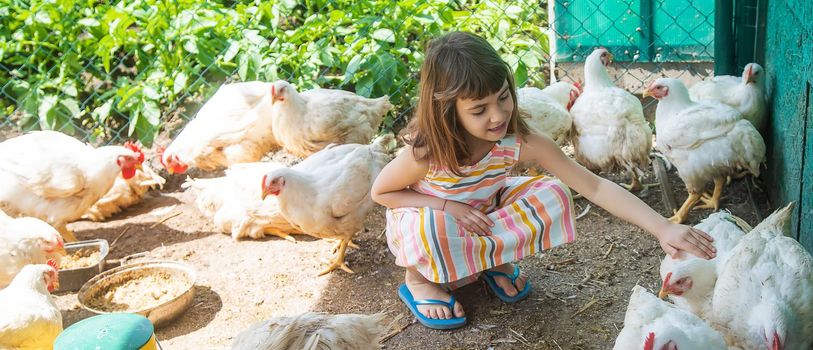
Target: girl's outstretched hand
column 471, row 219
column 681, row 237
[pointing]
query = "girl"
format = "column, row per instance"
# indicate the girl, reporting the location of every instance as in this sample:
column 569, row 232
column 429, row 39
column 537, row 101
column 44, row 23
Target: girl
column 454, row 213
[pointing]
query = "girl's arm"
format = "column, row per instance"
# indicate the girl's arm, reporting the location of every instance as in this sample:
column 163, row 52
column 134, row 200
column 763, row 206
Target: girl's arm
column 391, row 189
column 615, row 199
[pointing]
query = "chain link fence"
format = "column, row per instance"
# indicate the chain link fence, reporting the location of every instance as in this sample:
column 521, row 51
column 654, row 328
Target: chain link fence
column 112, row 71
column 649, row 39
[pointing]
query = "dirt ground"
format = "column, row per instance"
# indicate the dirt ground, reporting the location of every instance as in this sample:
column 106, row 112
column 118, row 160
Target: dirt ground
column 578, row 302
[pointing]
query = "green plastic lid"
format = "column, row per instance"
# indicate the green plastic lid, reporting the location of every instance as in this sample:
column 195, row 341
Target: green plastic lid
column 118, row 331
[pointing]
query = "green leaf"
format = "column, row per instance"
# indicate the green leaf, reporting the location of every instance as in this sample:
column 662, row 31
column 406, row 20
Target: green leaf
column 384, row 34
column 73, row 107
column 336, row 15
column 44, row 112
column 513, row 11
column 89, row 22
column 69, row 89
column 179, row 83
column 150, row 93
column 42, row 17
column 152, row 114
column 134, row 116
column 101, row 113
column 521, row 74
column 234, row 48
column 364, row 86
column 190, row 45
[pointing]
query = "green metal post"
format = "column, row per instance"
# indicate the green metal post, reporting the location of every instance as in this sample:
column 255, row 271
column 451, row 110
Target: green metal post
column 647, row 44
column 724, row 37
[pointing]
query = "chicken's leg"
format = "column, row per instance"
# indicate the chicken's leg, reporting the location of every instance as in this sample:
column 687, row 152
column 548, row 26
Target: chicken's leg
column 67, row 235
column 713, row 202
column 683, row 212
column 339, row 244
column 338, row 262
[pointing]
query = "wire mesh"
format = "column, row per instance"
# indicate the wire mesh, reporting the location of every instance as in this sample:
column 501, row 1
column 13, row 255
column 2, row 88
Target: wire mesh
column 106, row 72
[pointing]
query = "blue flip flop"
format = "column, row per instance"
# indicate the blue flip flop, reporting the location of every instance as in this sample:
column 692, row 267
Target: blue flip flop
column 406, row 297
column 489, row 277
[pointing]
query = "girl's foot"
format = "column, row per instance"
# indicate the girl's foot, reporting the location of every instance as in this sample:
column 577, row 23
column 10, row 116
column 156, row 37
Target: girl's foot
column 505, row 283
column 421, row 288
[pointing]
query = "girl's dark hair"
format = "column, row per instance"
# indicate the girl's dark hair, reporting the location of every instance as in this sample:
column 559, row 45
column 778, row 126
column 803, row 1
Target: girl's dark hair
column 457, row 65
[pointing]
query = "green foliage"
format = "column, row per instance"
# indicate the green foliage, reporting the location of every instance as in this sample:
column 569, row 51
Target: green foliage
column 108, row 70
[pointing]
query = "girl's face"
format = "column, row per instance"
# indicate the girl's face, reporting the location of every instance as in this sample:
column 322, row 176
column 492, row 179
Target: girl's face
column 486, row 119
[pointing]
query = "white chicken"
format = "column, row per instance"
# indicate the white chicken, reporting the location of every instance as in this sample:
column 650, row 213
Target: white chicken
column 315, row 331
column 546, row 111
column 124, row 193
column 307, row 122
column 609, row 129
column 56, row 178
column 764, row 296
column 746, row 94
column 234, row 126
column 30, row 319
column 688, row 280
column 706, row 141
column 233, row 202
column 653, row 324
column 26, row 241
column 328, row 194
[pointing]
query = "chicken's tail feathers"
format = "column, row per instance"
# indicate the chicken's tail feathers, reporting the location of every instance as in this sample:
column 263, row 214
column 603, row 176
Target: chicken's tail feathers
column 386, row 143
column 385, row 104
column 385, row 326
column 779, row 220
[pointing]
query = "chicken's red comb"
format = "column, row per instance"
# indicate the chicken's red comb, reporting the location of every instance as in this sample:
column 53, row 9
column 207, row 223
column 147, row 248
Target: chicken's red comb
column 649, row 343
column 135, row 148
column 52, row 263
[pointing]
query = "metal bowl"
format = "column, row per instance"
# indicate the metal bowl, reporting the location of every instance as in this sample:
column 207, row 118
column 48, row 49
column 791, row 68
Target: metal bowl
column 73, row 279
column 158, row 314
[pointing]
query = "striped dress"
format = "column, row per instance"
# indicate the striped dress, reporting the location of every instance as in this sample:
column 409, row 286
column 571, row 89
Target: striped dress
column 530, row 214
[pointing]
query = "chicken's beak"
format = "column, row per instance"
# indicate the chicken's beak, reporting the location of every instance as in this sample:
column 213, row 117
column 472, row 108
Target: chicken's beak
column 646, row 93
column 749, row 75
column 171, row 170
column 139, row 166
column 663, row 293
column 61, row 251
column 266, row 192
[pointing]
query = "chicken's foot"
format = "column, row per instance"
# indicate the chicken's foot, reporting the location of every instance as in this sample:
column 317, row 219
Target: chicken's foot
column 713, row 202
column 338, row 262
column 634, row 185
column 284, row 236
column 683, row 212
